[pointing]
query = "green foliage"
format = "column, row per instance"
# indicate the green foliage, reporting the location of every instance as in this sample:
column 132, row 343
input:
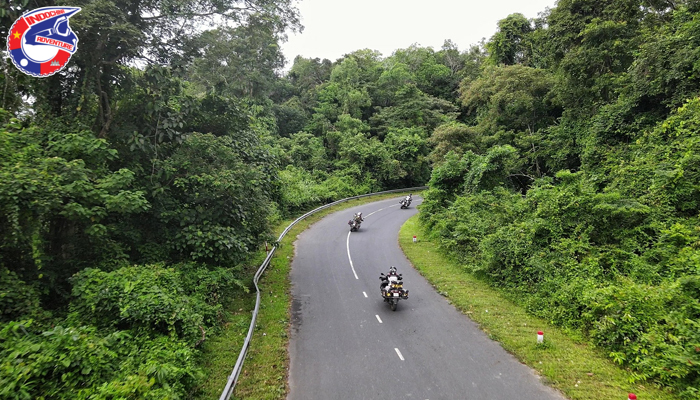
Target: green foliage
column 413, row 108
column 618, row 263
column 240, row 61
column 410, row 148
column 60, row 360
column 81, row 363
column 109, row 193
column 17, row 298
column 368, row 119
column 60, row 203
column 145, row 322
column 509, row 45
column 511, row 98
column 515, row 105
column 665, row 73
column 178, row 301
column 456, row 137
column 212, row 202
column 562, row 156
column 301, row 190
column 473, row 173
column 305, row 150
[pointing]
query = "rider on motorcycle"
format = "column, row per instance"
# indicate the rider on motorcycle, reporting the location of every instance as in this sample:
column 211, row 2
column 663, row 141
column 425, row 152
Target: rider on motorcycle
column 387, row 284
column 358, row 217
column 385, row 278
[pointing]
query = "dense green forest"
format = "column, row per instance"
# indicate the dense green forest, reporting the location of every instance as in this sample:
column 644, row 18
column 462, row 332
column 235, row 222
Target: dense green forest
column 562, row 155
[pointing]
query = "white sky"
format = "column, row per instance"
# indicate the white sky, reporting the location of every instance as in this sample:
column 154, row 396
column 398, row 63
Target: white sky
column 333, row 28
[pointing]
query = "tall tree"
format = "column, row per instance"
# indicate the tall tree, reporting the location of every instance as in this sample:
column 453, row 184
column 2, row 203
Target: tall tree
column 238, row 62
column 510, row 45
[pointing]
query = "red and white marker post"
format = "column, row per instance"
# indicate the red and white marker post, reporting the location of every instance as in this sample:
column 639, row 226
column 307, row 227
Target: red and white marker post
column 540, row 337
column 414, row 239
column 632, row 396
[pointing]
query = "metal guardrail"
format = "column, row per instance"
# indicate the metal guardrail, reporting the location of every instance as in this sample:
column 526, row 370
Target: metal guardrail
column 233, row 378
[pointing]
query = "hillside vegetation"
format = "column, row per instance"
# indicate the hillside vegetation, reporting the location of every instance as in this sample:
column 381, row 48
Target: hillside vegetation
column 562, row 155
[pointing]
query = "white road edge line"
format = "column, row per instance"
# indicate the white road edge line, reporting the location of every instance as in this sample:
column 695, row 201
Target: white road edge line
column 399, row 353
column 349, row 258
column 380, row 321
column 364, row 294
column 347, row 242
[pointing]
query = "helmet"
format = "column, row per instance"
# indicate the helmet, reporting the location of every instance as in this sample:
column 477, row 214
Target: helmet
column 392, row 270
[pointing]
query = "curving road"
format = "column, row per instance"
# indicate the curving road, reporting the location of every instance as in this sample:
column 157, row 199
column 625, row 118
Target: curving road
column 346, row 342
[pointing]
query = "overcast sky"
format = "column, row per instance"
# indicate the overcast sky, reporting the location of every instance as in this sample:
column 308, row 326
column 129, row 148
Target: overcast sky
column 333, row 28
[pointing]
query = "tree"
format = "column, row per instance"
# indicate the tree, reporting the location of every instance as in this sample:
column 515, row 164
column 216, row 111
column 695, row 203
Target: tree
column 514, row 105
column 213, row 201
column 409, row 147
column 61, row 205
column 592, row 44
column 238, row 62
column 509, row 45
column 453, row 137
column 412, row 108
column 115, row 34
column 665, row 73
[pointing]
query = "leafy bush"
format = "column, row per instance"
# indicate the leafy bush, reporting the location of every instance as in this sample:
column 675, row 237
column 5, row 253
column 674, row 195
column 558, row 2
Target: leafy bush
column 82, row 363
column 212, row 204
column 178, row 301
column 18, row 299
column 58, row 204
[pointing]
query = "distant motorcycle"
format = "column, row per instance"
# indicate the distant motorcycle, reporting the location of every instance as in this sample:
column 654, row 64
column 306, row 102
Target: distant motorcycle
column 392, row 288
column 406, row 201
column 355, row 222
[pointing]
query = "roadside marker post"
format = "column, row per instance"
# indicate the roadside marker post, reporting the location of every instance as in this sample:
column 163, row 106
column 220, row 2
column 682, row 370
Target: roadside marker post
column 414, row 239
column 540, row 337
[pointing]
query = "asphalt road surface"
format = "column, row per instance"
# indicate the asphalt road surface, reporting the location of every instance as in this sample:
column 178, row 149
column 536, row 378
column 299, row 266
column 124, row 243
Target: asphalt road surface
column 346, row 342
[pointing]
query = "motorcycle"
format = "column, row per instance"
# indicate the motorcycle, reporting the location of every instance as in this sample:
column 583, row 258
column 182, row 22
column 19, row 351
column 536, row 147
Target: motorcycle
column 392, row 288
column 355, row 222
column 405, row 202
column 354, row 225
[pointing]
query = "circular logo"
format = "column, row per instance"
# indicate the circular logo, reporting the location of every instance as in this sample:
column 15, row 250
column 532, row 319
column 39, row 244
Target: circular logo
column 41, row 41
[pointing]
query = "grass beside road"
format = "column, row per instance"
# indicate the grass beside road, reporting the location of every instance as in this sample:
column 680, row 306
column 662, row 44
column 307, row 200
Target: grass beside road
column 573, row 367
column 265, row 370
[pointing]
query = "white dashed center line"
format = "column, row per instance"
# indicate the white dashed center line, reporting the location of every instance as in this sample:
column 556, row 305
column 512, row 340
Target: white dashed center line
column 381, row 210
column 380, row 321
column 399, row 353
column 364, row 294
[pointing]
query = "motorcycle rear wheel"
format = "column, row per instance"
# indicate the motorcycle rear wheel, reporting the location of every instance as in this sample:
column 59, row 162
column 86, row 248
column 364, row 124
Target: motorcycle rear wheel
column 393, row 305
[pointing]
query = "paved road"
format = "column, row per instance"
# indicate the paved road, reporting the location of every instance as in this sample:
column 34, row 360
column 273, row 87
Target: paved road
column 346, row 342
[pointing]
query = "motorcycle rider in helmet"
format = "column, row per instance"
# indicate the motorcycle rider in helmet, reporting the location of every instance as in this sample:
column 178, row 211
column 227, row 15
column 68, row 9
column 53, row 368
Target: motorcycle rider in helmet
column 358, row 217
column 385, row 279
